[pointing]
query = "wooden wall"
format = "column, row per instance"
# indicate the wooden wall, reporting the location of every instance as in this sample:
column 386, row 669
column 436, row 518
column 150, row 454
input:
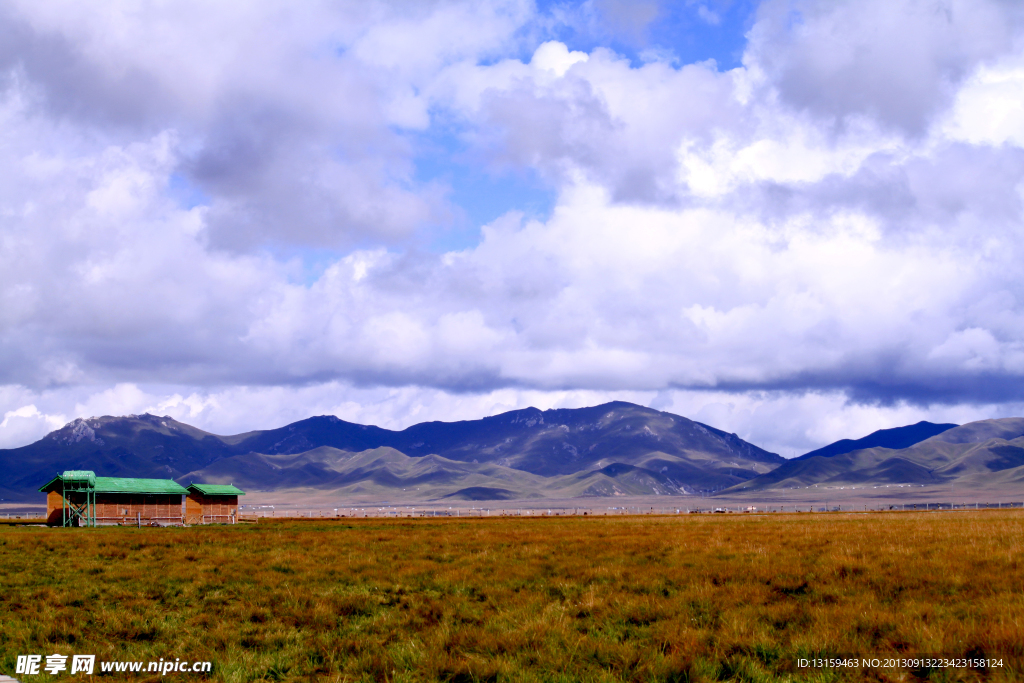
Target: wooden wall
column 127, row 508
column 193, row 509
column 54, row 508
column 200, row 509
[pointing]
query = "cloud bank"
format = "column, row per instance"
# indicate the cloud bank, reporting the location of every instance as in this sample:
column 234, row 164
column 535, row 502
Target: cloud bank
column 220, row 213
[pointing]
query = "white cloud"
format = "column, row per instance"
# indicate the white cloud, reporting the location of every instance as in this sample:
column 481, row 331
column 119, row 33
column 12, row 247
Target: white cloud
column 20, row 424
column 618, row 125
column 555, row 57
column 987, row 108
column 708, row 16
column 791, row 151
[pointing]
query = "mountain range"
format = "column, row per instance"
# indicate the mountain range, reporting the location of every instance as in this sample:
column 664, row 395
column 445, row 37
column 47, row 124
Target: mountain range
column 612, row 449
column 976, row 455
column 615, row 449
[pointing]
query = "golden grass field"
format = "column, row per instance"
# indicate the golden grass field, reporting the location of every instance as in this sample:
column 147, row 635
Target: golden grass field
column 674, row 598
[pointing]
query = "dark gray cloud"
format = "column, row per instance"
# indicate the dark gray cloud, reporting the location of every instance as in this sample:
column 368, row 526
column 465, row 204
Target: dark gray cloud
column 72, row 86
column 898, row 63
column 963, row 190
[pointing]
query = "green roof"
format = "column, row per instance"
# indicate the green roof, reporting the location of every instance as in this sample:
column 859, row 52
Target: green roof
column 216, row 489
column 120, row 484
column 125, row 485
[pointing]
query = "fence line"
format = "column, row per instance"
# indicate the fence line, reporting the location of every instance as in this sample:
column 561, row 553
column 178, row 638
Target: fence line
column 394, row 512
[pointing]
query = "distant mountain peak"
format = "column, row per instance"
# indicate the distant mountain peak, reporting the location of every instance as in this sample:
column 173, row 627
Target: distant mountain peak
column 896, row 438
column 75, row 431
column 528, row 417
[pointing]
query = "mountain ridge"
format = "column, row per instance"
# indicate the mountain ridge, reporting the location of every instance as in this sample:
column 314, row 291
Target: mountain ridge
column 981, row 453
column 669, row 453
column 614, row 449
column 895, row 438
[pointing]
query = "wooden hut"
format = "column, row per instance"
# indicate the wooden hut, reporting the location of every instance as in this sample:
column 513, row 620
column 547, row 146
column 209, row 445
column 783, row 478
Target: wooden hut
column 212, row 504
column 80, row 498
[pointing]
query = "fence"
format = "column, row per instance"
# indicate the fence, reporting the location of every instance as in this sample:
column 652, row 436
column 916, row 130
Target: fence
column 773, row 508
column 473, row 512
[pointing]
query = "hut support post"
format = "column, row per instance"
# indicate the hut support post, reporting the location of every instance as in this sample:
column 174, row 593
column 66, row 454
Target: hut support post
column 86, row 511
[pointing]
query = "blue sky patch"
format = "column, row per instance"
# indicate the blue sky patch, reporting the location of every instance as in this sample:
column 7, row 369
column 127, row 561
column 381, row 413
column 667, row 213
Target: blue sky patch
column 481, row 194
column 184, row 193
column 691, row 31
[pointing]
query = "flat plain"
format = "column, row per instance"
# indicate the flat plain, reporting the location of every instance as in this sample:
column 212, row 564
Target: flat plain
column 621, row 598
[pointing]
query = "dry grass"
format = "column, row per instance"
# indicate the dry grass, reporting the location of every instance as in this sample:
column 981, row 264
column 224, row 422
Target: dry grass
column 550, row 599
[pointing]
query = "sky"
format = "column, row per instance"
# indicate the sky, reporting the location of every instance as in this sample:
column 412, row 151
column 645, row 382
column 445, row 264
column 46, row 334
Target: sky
column 798, row 221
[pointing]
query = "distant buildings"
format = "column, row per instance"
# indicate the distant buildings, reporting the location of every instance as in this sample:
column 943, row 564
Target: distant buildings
column 80, row 498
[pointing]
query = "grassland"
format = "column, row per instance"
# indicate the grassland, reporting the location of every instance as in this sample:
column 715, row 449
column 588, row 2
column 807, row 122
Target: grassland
column 736, row 597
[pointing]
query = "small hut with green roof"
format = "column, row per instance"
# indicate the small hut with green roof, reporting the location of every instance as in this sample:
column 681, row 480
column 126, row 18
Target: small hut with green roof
column 212, row 504
column 80, row 498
